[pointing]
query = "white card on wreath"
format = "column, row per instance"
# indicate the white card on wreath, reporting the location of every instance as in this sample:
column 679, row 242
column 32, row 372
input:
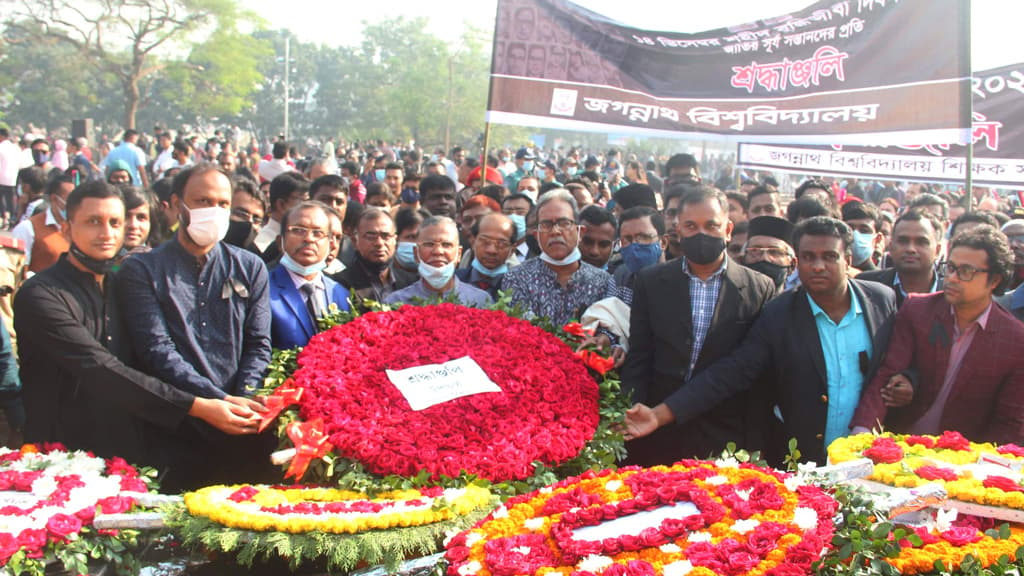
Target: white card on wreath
column 432, row 384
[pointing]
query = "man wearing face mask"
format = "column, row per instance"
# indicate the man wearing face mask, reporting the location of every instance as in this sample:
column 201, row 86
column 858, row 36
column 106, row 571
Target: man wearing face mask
column 558, row 284
column 77, row 388
column 437, row 253
column 863, row 219
column 686, row 314
column 642, row 245
column 201, row 313
column 42, row 233
column 493, row 237
column 300, row 294
column 524, row 168
column 768, row 249
column 518, row 207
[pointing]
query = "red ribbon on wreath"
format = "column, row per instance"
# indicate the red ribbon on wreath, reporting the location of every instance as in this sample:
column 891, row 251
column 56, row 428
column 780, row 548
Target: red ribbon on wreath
column 595, row 361
column 310, row 442
column 282, row 398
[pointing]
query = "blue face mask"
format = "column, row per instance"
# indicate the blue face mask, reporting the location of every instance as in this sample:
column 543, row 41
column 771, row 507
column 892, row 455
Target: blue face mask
column 437, row 278
column 572, row 258
column 863, row 246
column 301, row 270
column 379, row 175
column 570, row 171
column 528, row 166
column 520, row 222
column 404, row 255
column 499, row 271
column 638, row 256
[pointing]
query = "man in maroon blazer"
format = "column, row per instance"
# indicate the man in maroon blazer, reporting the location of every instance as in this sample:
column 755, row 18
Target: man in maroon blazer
column 962, row 353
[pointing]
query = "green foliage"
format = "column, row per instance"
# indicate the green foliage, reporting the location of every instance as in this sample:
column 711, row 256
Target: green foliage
column 118, row 552
column 334, row 552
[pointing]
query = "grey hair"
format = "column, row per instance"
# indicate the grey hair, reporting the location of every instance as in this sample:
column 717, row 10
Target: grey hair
column 559, row 194
column 439, row 221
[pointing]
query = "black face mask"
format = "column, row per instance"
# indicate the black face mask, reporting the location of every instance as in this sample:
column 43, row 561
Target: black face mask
column 701, row 248
column 772, row 270
column 97, row 266
column 240, row 233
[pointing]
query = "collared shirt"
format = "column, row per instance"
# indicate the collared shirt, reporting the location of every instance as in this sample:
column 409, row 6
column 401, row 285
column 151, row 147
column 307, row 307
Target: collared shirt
column 318, row 285
column 77, row 388
column 203, row 327
column 489, row 284
column 703, row 297
column 535, row 285
column 268, row 234
column 131, row 155
column 930, row 421
column 466, row 294
column 842, row 345
column 898, row 285
column 25, row 232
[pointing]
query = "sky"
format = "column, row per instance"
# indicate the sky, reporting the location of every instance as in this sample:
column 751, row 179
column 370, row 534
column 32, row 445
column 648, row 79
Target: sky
column 995, row 23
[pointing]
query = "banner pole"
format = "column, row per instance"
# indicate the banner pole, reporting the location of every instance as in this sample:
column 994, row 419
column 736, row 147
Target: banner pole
column 969, row 105
column 490, row 95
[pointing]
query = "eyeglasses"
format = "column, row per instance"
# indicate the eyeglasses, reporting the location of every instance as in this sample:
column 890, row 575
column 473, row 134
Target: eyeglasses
column 494, row 243
column 301, row 232
column 246, row 216
column 563, row 225
column 374, row 236
column 436, row 245
column 964, row 272
column 762, row 252
column 639, row 239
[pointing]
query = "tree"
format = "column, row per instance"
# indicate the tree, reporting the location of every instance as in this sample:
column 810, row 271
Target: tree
column 121, row 37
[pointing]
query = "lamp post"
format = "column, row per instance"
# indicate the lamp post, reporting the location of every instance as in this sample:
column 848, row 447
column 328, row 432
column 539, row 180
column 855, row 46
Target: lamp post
column 287, row 68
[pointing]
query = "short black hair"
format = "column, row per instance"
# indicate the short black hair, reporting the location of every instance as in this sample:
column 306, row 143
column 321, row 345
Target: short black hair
column 996, row 248
column 703, row 193
column 435, row 183
column 803, row 208
column 919, row 214
column 495, row 192
column 824, row 226
column 407, row 218
column 379, row 189
column 928, row 199
column 394, row 166
column 740, row 198
column 162, row 189
column 681, row 161
column 284, row 185
column 181, row 178
column 247, row 185
column 351, row 168
column 978, row 217
column 758, row 191
column 857, row 210
column 280, row 149
column 353, row 212
column 813, row 183
column 517, row 196
column 597, row 216
column 638, row 212
column 33, row 178
column 53, row 185
column 99, row 189
column 135, row 197
column 327, row 181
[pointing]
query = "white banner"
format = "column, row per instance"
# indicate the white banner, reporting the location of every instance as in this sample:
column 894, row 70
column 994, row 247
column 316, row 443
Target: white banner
column 432, row 384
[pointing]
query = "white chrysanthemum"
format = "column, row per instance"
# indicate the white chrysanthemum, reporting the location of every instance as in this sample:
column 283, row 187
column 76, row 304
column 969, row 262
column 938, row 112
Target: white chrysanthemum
column 729, row 462
column 944, row 519
column 806, row 467
column 534, row 524
column 744, row 494
column 594, row 563
column 470, row 568
column 501, row 512
column 448, row 535
column 670, row 548
column 716, row 480
column 744, row 526
column 473, row 537
column 792, row 483
column 545, row 490
column 680, row 568
column 805, row 518
column 613, row 485
column 699, row 537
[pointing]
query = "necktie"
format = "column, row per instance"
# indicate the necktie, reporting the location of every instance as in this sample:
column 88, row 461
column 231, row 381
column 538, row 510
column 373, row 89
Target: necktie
column 313, row 303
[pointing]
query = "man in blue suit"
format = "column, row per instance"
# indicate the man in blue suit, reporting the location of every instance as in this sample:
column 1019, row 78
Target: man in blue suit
column 299, row 291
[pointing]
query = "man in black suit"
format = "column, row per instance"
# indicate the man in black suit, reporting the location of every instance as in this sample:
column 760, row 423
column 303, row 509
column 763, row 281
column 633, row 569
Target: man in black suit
column 815, row 345
column 916, row 245
column 686, row 314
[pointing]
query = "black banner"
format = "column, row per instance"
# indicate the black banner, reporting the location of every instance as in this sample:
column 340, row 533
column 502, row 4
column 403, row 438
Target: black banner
column 852, row 72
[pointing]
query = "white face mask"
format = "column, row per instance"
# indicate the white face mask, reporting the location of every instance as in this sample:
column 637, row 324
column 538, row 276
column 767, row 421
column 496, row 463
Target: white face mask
column 436, row 277
column 207, row 226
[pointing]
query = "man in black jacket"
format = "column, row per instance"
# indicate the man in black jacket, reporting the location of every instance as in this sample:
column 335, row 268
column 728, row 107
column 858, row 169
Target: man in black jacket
column 77, row 389
column 816, row 346
column 686, row 314
column 916, row 246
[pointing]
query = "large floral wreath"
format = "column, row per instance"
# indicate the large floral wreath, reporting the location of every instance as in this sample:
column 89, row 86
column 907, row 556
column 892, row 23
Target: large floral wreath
column 549, row 420
column 50, row 497
column 950, row 460
column 743, row 519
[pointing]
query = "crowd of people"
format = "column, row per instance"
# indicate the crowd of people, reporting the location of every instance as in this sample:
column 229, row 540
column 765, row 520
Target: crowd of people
column 144, row 289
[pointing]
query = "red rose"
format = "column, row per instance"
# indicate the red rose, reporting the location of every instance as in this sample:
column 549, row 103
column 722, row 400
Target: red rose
column 1011, row 449
column 884, row 450
column 457, row 554
column 926, row 441
column 961, row 535
column 740, row 562
column 936, row 473
column 639, row 568
column 119, row 467
column 133, row 485
column 953, row 441
column 32, row 540
column 86, row 515
column 1002, row 483
column 786, row 569
column 8, row 546
column 116, row 504
column 62, row 525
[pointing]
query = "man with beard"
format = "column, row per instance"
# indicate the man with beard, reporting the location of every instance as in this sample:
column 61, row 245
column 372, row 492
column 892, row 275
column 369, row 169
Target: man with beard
column 768, row 249
column 686, row 314
column 915, row 248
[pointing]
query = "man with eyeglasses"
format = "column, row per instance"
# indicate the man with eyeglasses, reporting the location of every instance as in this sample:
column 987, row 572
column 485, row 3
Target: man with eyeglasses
column 248, row 208
column 557, row 284
column 437, row 252
column 370, row 276
column 810, row 350
column 201, row 322
column 961, row 352
column 493, row 234
column 768, row 249
column 300, row 294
